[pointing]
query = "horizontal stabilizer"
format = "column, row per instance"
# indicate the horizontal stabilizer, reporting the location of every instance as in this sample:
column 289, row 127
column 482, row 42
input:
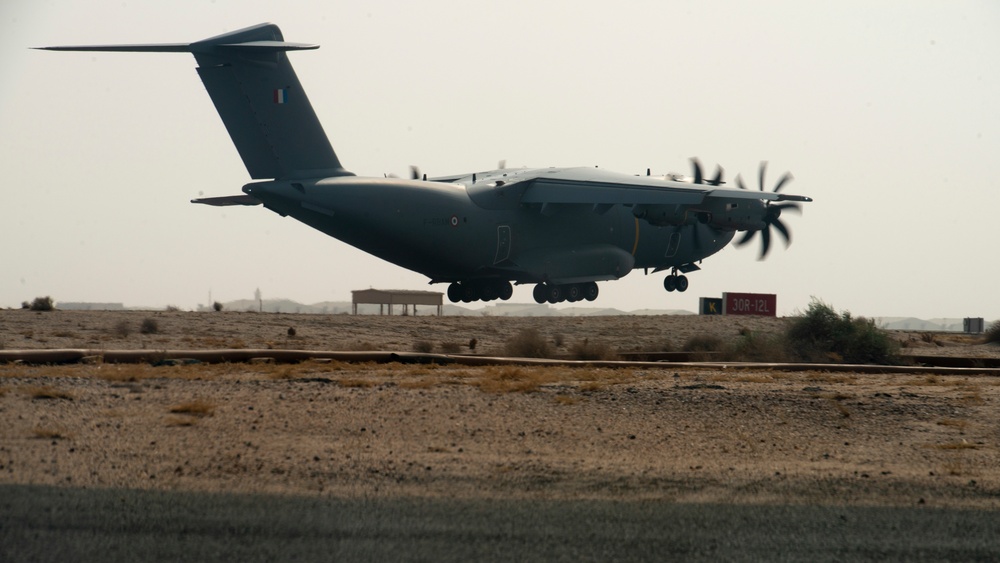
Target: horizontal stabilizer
column 248, row 46
column 228, row 200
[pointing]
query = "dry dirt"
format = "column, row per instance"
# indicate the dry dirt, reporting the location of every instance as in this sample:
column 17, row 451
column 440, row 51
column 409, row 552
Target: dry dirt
column 680, row 434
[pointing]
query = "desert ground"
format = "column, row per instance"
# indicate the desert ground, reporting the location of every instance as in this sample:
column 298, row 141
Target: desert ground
column 696, row 434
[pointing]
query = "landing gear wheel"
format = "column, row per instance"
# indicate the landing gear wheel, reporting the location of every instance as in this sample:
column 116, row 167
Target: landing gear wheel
column 505, row 290
column 670, row 283
column 455, row 292
column 590, row 291
column 540, row 293
column 470, row 293
column 574, row 293
column 488, row 292
column 554, row 293
column 682, row 283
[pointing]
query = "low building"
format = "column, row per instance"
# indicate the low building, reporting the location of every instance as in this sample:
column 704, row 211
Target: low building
column 393, row 297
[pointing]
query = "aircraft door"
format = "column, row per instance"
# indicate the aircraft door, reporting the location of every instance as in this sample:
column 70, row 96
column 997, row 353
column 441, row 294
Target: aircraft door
column 672, row 244
column 503, row 244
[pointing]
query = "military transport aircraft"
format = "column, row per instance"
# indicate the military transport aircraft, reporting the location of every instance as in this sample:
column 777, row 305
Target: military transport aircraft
column 562, row 229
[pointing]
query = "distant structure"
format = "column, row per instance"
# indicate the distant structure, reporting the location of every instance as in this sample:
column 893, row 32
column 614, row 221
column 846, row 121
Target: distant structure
column 390, row 297
column 84, row 306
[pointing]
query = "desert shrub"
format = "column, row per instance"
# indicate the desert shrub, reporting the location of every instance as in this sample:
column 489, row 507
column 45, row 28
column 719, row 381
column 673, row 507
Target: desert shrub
column 754, row 347
column 823, row 335
column 992, row 335
column 559, row 340
column 450, row 347
column 122, row 329
column 42, row 304
column 423, row 347
column 587, row 350
column 528, row 344
column 217, row 306
column 172, row 309
column 703, row 343
column 149, row 326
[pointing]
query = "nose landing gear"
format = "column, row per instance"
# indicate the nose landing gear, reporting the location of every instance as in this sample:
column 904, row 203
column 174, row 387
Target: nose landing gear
column 675, row 282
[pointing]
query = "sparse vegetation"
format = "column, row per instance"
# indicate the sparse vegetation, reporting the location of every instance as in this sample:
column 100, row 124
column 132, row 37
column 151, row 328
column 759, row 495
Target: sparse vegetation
column 41, row 304
column 423, row 347
column 702, row 346
column 823, row 335
column 47, row 392
column 217, row 306
column 149, row 326
column 122, row 329
column 450, row 347
column 586, row 350
column 198, row 408
column 49, row 434
column 528, row 344
column 703, row 343
column 756, row 347
column 992, row 335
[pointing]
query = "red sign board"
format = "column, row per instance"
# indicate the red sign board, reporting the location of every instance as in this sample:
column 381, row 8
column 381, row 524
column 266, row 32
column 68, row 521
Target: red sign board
column 763, row 304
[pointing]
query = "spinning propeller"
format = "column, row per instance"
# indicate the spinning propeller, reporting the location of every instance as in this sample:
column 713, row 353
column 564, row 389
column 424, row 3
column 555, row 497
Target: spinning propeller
column 772, row 212
column 700, row 179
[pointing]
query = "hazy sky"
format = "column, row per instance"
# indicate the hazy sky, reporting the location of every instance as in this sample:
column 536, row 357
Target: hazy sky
column 887, row 113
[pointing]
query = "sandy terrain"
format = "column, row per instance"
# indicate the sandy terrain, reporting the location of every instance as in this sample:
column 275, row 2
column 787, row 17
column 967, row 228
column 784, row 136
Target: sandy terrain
column 685, row 434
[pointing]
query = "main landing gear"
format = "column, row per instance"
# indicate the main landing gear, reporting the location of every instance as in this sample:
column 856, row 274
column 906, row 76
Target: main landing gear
column 572, row 292
column 480, row 290
column 675, row 282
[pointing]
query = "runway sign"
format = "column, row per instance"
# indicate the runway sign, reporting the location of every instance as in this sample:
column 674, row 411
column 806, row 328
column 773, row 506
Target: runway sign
column 763, row 304
column 709, row 306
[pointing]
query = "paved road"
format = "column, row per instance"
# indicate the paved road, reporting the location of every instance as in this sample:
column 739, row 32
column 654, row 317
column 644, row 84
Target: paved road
column 64, row 524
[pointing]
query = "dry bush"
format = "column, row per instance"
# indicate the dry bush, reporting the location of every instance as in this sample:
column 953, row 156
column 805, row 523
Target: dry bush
column 149, row 326
column 423, row 347
column 122, row 329
column 587, row 350
column 963, row 445
column 49, row 433
column 124, row 372
column 703, row 343
column 197, row 407
column 47, row 392
column 508, row 379
column 992, row 334
column 567, row 399
column 528, row 344
column 42, row 304
column 755, row 347
column 823, row 335
column 703, row 346
column 357, row 382
column 954, row 423
column 181, row 421
column 452, row 347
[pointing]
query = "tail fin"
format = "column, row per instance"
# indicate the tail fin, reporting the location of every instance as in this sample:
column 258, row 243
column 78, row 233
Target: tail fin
column 259, row 97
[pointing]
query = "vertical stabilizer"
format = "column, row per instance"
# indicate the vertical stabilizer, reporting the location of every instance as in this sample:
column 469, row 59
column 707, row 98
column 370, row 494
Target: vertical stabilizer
column 262, row 103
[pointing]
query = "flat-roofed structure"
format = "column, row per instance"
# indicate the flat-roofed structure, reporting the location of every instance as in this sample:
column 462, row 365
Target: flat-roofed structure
column 392, row 297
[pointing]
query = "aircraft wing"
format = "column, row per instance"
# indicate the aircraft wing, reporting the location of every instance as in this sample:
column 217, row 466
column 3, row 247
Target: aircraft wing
column 595, row 186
